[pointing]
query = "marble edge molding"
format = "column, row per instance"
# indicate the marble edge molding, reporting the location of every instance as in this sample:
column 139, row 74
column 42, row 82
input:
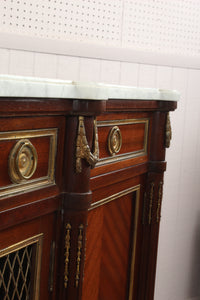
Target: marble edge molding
column 21, row 86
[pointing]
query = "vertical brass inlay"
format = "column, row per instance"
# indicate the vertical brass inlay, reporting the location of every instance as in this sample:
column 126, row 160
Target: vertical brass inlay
column 135, row 231
column 67, row 249
column 168, row 131
column 82, row 147
column 151, row 201
column 160, row 189
column 78, row 260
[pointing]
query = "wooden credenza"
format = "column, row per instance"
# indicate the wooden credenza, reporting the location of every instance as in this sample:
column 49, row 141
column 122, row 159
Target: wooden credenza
column 69, row 232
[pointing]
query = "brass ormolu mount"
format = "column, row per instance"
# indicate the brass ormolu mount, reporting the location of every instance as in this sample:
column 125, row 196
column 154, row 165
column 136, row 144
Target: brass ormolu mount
column 68, row 229
column 82, row 147
column 152, row 204
column 79, row 250
column 22, row 161
column 114, row 140
column 67, row 249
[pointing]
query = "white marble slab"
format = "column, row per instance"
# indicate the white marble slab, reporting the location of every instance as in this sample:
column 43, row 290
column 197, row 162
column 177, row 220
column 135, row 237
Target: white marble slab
column 19, row 86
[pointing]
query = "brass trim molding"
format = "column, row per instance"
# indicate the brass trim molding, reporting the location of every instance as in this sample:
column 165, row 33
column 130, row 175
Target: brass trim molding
column 29, row 184
column 113, row 197
column 82, row 147
column 37, row 240
column 78, row 260
column 67, row 249
column 120, row 157
column 168, row 134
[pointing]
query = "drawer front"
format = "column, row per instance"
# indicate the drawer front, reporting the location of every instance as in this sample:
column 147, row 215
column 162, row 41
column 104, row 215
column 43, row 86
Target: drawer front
column 28, row 156
column 121, row 140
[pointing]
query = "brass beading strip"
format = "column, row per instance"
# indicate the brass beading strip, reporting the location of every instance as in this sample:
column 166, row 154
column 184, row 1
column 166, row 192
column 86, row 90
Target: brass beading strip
column 160, row 190
column 151, row 201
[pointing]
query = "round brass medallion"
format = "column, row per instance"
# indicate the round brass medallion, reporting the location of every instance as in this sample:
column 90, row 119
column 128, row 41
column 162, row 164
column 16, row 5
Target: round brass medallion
column 22, row 161
column 114, row 140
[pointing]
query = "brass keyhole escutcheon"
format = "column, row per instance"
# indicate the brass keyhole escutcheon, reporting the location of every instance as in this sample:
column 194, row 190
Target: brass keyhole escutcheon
column 114, row 140
column 22, row 161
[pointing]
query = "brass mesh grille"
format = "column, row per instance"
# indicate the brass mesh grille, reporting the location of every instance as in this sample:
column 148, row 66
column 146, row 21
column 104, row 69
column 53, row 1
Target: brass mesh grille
column 15, row 274
column 20, row 266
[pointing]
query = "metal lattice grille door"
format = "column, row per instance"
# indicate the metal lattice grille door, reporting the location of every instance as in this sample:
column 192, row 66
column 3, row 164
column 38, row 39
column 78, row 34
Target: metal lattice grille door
column 20, row 269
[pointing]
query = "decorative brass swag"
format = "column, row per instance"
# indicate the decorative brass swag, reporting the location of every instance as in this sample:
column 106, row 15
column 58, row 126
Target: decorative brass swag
column 82, row 147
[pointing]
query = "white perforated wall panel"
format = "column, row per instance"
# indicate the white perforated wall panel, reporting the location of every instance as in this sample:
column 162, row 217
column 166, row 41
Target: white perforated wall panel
column 80, row 20
column 157, row 26
column 169, row 26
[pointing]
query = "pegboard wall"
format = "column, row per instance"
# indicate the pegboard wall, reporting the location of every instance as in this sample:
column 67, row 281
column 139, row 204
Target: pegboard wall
column 171, row 26
column 80, row 20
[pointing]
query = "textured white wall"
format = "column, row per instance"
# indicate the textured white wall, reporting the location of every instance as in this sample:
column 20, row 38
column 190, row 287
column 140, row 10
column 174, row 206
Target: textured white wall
column 141, row 25
column 123, row 30
column 178, row 269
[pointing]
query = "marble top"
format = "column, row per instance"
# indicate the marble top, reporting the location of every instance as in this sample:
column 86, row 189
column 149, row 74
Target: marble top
column 19, row 86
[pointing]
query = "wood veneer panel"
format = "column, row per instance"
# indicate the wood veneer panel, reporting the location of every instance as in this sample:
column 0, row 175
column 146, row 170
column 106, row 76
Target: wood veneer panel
column 94, row 241
column 139, row 105
column 42, row 146
column 11, row 106
column 109, row 241
column 116, row 249
column 18, row 126
column 132, row 138
column 136, row 135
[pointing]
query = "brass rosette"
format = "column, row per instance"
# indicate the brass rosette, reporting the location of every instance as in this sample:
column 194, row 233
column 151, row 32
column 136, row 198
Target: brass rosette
column 22, row 161
column 114, row 140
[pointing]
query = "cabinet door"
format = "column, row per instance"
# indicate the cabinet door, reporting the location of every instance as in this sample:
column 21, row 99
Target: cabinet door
column 25, row 260
column 111, row 247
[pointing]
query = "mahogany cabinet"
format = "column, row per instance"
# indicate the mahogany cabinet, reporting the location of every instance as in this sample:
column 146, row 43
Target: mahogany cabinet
column 69, row 232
